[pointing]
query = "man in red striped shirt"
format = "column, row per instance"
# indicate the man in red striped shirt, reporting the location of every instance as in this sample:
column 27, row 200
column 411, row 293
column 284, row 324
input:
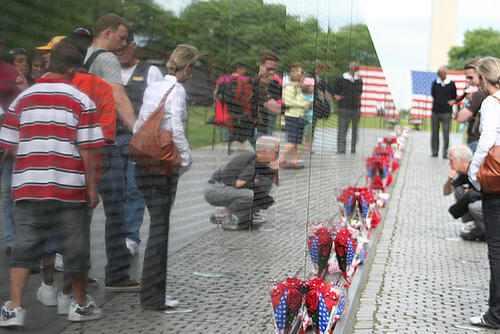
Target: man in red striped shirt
column 51, row 130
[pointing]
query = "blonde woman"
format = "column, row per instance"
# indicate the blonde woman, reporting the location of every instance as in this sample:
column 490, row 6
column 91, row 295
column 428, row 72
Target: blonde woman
column 488, row 70
column 295, row 121
column 158, row 190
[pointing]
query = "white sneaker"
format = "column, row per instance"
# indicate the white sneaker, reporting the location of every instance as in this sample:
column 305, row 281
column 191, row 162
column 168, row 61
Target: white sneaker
column 63, row 303
column 170, row 302
column 84, row 313
column 132, row 247
column 58, row 263
column 12, row 317
column 47, row 294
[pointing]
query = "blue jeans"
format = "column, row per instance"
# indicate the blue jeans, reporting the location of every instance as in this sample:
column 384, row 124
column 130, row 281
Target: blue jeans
column 159, row 195
column 473, row 145
column 491, row 219
column 134, row 201
column 111, row 188
column 7, row 203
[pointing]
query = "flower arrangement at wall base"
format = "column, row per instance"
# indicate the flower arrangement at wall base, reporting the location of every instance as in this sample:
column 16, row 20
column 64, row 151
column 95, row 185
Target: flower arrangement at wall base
column 378, row 173
column 320, row 247
column 344, row 249
column 324, row 303
column 286, row 300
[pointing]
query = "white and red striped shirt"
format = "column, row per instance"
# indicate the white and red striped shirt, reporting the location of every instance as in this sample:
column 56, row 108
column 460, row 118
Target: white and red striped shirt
column 48, row 124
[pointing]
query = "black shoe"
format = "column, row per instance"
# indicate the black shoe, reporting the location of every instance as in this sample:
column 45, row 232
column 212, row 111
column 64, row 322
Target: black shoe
column 126, row 285
column 434, row 155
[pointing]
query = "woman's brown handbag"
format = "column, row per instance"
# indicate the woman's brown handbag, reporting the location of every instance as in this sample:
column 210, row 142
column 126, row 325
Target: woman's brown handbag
column 153, row 148
column 489, row 172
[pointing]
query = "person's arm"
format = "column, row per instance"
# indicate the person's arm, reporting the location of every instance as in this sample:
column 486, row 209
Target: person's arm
column 123, row 106
column 91, row 166
column 448, row 188
column 464, row 115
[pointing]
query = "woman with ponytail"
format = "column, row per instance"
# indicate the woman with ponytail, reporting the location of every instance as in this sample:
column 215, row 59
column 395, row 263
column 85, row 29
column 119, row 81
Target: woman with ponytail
column 488, row 70
column 159, row 190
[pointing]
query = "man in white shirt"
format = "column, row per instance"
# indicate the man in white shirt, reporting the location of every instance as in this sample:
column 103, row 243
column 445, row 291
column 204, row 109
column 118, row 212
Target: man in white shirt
column 137, row 75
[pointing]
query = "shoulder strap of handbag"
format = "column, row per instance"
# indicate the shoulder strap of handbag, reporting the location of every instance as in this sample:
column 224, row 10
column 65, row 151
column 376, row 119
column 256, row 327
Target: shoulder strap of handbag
column 164, row 98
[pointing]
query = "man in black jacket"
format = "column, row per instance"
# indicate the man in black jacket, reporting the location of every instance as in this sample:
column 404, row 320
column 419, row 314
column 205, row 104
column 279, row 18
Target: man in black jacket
column 347, row 92
column 444, row 93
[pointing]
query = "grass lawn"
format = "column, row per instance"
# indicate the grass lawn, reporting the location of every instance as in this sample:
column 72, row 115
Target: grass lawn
column 200, row 134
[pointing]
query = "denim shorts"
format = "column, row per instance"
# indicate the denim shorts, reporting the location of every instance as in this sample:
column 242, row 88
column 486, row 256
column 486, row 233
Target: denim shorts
column 71, row 224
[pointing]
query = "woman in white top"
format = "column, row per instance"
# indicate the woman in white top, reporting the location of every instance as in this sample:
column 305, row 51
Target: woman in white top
column 158, row 190
column 488, row 70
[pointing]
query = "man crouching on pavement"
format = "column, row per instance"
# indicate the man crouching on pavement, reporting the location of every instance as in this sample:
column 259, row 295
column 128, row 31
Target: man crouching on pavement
column 468, row 201
column 242, row 186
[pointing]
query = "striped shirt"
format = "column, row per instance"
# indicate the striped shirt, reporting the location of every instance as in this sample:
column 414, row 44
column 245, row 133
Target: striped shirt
column 48, row 124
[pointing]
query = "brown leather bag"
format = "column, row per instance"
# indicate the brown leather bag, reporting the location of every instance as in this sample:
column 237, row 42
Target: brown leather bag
column 153, row 148
column 489, row 172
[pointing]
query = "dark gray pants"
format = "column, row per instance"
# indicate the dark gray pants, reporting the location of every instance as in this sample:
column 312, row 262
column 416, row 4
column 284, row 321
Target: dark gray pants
column 436, row 120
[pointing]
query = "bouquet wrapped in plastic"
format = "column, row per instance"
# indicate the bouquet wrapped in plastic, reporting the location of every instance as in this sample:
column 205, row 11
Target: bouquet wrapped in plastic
column 286, row 300
column 324, row 303
column 344, row 249
column 320, row 247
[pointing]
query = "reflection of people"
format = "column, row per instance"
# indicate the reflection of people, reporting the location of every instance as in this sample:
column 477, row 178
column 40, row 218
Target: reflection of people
column 444, row 93
column 63, row 189
column 158, row 190
column 488, row 70
column 468, row 200
column 267, row 92
column 295, row 109
column 136, row 76
column 347, row 91
column 242, row 186
column 470, row 113
column 110, row 33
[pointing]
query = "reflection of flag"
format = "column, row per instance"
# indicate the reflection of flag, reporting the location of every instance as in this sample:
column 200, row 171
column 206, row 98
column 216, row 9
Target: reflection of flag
column 314, row 250
column 324, row 316
column 280, row 312
column 376, row 93
column 421, row 90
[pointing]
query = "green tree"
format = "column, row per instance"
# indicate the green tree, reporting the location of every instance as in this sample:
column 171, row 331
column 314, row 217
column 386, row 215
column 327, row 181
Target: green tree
column 477, row 44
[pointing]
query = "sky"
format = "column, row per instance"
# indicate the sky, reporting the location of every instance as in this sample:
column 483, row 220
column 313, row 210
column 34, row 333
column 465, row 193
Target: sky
column 400, row 29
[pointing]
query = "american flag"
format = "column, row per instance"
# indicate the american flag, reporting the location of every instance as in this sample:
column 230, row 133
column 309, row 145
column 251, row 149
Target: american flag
column 324, row 316
column 421, row 90
column 376, row 92
column 340, row 308
column 348, row 206
column 350, row 251
column 280, row 313
column 314, row 250
column 364, row 207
